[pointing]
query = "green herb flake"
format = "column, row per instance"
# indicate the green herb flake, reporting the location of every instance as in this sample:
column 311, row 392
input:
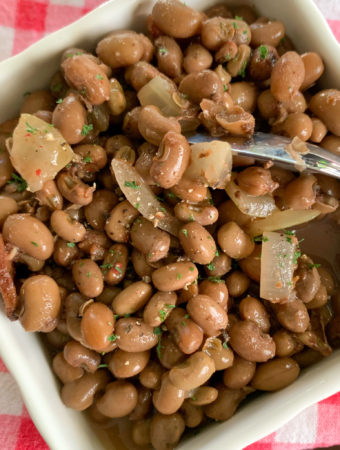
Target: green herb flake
column 116, row 316
column 186, row 316
column 260, row 239
column 162, row 314
column 191, row 218
column 71, row 244
column 238, row 18
column 163, row 210
column 235, row 25
column 60, row 100
column 210, row 266
column 137, row 205
column 86, row 129
column 103, row 366
column 296, row 256
column 312, row 266
column 193, row 398
column 119, row 270
column 87, row 159
column 289, row 240
column 289, row 283
column 131, row 184
column 88, row 274
column 185, row 232
column 242, row 72
column 217, row 253
column 215, row 279
column 20, row 182
column 159, row 346
column 183, row 323
column 106, row 266
column 191, row 268
column 178, row 276
column 56, row 87
column 263, row 50
column 225, row 345
column 162, row 51
column 157, row 331
column 127, row 316
column 211, row 201
column 99, row 77
column 172, row 195
column 34, row 243
column 26, row 94
column 30, row 129
column 112, row 338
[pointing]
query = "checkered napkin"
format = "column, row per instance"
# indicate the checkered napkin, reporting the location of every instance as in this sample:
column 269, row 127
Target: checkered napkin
column 22, row 22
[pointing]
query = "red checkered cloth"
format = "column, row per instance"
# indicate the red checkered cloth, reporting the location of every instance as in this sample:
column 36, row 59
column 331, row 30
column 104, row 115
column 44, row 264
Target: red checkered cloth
column 22, row 22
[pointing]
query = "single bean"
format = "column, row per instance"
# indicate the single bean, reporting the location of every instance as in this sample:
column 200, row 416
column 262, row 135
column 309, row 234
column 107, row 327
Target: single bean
column 237, row 66
column 234, row 241
column 64, row 371
column 144, row 405
column 229, row 212
column 197, row 243
column 128, row 364
column 276, row 374
column 226, row 404
column 193, row 372
column 300, row 193
column 97, row 211
column 293, row 315
column 117, row 100
column 139, row 74
column 326, row 106
column 37, row 101
column 141, row 432
column 216, row 290
column 159, row 307
column 200, row 85
column 240, row 374
column 68, row 229
column 314, row 68
column 319, row 130
column 69, row 117
column 210, row 316
column 287, row 76
column 204, row 213
column 119, row 221
column 296, row 124
column 308, row 281
column 186, row 333
column 88, row 277
column 190, row 191
column 166, row 430
column 262, row 62
column 8, row 206
column 115, row 264
column 327, row 280
column 196, row 58
column 134, row 335
column 227, row 52
column 151, row 241
column 150, row 376
column 222, row 355
column 269, row 33
column 331, row 143
column 237, row 283
column 169, row 398
column 74, row 190
column 73, row 303
column 6, row 168
column 50, row 196
column 256, row 181
column 169, row 354
column 153, row 126
column 132, row 298
column 286, row 343
column 119, row 399
column 216, row 31
column 97, row 325
column 169, row 56
column 252, row 309
column 203, row 396
column 77, row 355
column 244, row 94
column 94, row 156
column 251, row 265
column 174, row 276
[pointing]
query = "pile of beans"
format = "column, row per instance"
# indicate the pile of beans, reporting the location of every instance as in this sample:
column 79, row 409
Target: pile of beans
column 170, row 332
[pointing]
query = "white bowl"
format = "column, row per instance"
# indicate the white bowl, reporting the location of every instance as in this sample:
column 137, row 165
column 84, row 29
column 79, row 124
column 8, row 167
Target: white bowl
column 23, row 353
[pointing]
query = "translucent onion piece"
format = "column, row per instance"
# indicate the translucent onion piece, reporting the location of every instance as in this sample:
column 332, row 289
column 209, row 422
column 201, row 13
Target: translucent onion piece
column 159, row 92
column 38, row 151
column 261, row 206
column 277, row 266
column 139, row 194
column 211, row 163
column 282, row 219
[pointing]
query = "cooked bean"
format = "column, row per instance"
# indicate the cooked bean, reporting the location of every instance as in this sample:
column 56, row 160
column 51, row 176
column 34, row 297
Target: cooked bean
column 6, row 168
column 276, row 374
column 119, row 221
column 200, row 85
column 144, row 404
column 240, row 374
column 119, row 400
column 97, row 211
column 234, row 241
column 237, row 66
column 262, row 62
column 244, row 94
column 153, row 126
column 327, row 280
column 221, row 354
column 196, row 58
column 229, row 212
column 204, row 213
column 166, row 430
column 169, row 354
column 151, row 241
column 88, row 277
column 193, row 415
column 69, row 117
column 40, row 299
column 97, row 325
column 128, row 364
column 331, row 143
column 314, row 68
column 203, row 396
column 249, row 342
column 252, row 309
column 287, row 76
column 8, row 206
column 227, row 52
column 117, row 100
column 115, row 264
column 256, row 181
column 300, row 193
column 296, row 124
column 50, row 196
column 64, row 371
column 186, row 333
column 139, row 74
column 308, row 281
column 209, row 315
column 286, row 343
column 68, row 229
column 197, row 243
column 95, row 244
column 38, row 101
column 29, row 234
column 140, row 264
column 171, row 160
column 269, row 33
column 93, row 155
column 293, row 315
column 176, row 19
column 193, row 372
column 226, row 404
column 141, row 432
column 150, row 377
column 74, row 190
column 134, row 335
column 73, row 303
column 159, row 307
column 174, row 276
column 319, row 130
column 237, row 283
column 169, row 56
column 132, row 298
column 217, row 291
column 169, row 398
column 219, row 10
column 77, row 355
column 79, row 394
column 120, row 48
column 326, row 106
column 190, row 191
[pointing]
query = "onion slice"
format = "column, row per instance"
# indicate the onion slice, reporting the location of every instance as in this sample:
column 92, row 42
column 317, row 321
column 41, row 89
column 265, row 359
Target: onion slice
column 281, row 219
column 211, row 163
column 261, row 206
column 277, row 266
column 141, row 197
column 160, row 92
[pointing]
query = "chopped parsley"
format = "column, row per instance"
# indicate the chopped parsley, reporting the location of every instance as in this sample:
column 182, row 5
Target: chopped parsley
column 260, row 239
column 238, row 18
column 25, row 94
column 86, row 129
column 210, row 266
column 312, row 266
column 131, row 184
column 157, row 331
column 297, row 255
column 191, row 218
column 179, row 276
column 191, row 268
column 127, row 316
column 106, row 266
column 263, row 50
column 137, row 205
column 235, row 25
column 225, row 88
column 117, row 267
column 99, row 77
column 34, row 243
column 88, row 274
column 215, row 279
column 30, row 129
column 185, row 232
column 193, row 398
column 56, row 87
column 112, row 338
column 159, row 346
column 71, row 244
column 20, row 182
column 103, row 366
column 242, row 71
column 163, row 312
column 87, row 159
column 225, row 345
column 162, row 51
column 211, row 201
column 60, row 100
column 217, row 253
column 163, row 210
column 186, row 316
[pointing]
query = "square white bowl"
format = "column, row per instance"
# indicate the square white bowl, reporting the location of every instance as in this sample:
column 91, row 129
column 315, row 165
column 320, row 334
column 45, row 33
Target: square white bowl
column 23, row 353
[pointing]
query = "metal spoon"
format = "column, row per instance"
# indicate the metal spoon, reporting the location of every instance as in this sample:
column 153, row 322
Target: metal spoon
column 264, row 147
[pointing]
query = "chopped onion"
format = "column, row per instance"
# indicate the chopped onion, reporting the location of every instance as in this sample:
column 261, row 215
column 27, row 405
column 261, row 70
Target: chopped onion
column 277, row 266
column 159, row 92
column 281, row 219
column 261, row 206
column 211, row 163
column 38, row 151
column 141, row 197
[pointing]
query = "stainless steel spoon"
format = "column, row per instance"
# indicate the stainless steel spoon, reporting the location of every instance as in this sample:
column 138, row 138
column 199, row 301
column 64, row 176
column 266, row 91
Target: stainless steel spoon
column 264, row 147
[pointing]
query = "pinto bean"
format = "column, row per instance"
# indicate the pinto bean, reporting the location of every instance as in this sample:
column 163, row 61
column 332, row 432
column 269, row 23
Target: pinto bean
column 70, row 117
column 8, row 206
column 308, row 282
column 119, row 221
column 174, row 276
column 151, row 241
column 226, row 404
column 169, row 56
column 196, row 58
column 269, row 33
column 287, row 76
column 326, row 106
column 200, row 85
column 276, row 374
column 293, row 315
column 115, row 264
column 234, row 241
column 120, row 48
column 187, row 335
column 193, row 415
column 331, row 143
column 221, row 354
column 190, row 191
column 252, row 309
column 240, row 374
column 159, row 307
column 197, row 243
column 97, row 326
column 209, row 315
column 119, row 399
column 286, row 343
column 300, row 193
column 166, row 430
column 77, row 355
column 74, row 190
column 88, row 277
column 256, row 181
column 314, row 68
column 169, row 353
column 153, row 126
column 64, row 371
column 217, row 291
column 249, row 342
column 97, row 211
column 68, row 229
column 296, row 124
column 237, row 283
column 132, row 298
column 134, row 335
column 128, row 364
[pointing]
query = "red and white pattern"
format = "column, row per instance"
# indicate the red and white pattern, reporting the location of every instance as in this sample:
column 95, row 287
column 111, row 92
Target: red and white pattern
column 23, row 22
